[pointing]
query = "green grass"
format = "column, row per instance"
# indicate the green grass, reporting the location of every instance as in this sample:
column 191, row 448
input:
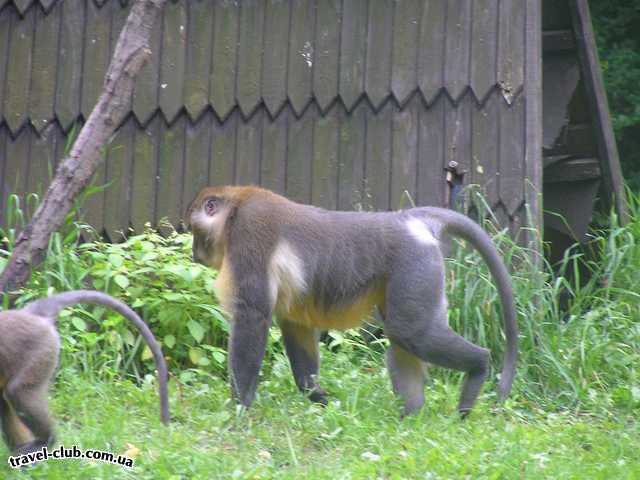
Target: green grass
column 359, row 435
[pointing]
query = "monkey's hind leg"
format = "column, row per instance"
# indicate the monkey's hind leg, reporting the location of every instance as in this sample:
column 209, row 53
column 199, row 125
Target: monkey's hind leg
column 407, row 374
column 30, row 405
column 418, row 323
column 301, row 344
column 14, row 432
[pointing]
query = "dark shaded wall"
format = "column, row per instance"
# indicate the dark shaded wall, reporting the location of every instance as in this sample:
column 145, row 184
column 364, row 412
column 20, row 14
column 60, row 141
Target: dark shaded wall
column 342, row 104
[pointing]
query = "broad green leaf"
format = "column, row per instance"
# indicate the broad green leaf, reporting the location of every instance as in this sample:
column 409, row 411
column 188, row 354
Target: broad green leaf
column 116, row 260
column 147, row 245
column 138, row 302
column 146, row 353
column 195, row 355
column 169, row 341
column 219, row 357
column 149, row 256
column 196, row 330
column 173, row 297
column 79, row 323
column 187, row 273
column 121, row 281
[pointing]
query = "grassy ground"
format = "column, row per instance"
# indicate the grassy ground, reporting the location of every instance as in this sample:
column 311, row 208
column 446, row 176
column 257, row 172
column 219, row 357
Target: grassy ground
column 359, row 435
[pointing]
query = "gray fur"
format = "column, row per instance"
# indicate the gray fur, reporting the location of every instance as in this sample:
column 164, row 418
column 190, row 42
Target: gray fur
column 345, row 255
column 29, row 350
column 340, row 263
column 301, row 344
column 408, row 378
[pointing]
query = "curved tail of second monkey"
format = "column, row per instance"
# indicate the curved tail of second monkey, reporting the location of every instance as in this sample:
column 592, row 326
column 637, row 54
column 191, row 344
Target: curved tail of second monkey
column 50, row 308
column 461, row 226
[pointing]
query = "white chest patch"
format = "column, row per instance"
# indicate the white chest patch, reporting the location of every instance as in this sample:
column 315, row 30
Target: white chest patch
column 286, row 276
column 420, row 232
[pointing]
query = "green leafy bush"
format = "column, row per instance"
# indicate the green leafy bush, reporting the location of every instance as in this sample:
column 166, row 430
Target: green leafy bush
column 616, row 23
column 156, row 277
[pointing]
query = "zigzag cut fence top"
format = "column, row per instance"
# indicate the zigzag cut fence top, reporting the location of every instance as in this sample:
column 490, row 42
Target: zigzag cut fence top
column 222, row 55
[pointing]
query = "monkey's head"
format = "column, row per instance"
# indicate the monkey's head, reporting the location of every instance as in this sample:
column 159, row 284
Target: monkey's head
column 208, row 215
column 206, row 218
column 214, row 209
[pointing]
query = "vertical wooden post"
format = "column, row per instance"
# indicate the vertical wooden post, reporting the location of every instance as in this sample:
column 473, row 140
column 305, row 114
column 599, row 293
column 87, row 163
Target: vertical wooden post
column 533, row 126
column 597, row 98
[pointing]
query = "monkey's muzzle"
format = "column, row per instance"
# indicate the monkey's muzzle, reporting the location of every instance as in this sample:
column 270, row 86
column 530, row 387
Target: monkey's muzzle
column 198, row 252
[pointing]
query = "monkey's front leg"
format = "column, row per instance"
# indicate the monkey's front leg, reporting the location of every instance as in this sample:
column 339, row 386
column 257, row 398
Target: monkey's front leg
column 301, row 344
column 247, row 344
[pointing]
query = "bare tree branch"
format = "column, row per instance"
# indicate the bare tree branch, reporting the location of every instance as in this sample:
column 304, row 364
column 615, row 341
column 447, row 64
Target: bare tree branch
column 75, row 171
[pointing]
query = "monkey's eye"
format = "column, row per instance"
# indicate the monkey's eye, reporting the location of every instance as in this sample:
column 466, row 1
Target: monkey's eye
column 212, row 205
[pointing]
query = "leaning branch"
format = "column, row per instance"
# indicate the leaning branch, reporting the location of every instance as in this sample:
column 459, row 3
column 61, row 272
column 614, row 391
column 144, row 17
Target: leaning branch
column 76, row 170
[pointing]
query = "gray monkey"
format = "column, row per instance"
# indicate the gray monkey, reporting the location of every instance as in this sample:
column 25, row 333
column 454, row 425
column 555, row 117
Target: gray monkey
column 29, row 350
column 317, row 269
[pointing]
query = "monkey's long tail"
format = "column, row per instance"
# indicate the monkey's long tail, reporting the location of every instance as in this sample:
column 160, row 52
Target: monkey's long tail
column 465, row 228
column 50, row 307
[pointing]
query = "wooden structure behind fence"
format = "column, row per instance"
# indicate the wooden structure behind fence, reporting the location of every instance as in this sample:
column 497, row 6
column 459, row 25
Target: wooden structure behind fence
column 339, row 103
